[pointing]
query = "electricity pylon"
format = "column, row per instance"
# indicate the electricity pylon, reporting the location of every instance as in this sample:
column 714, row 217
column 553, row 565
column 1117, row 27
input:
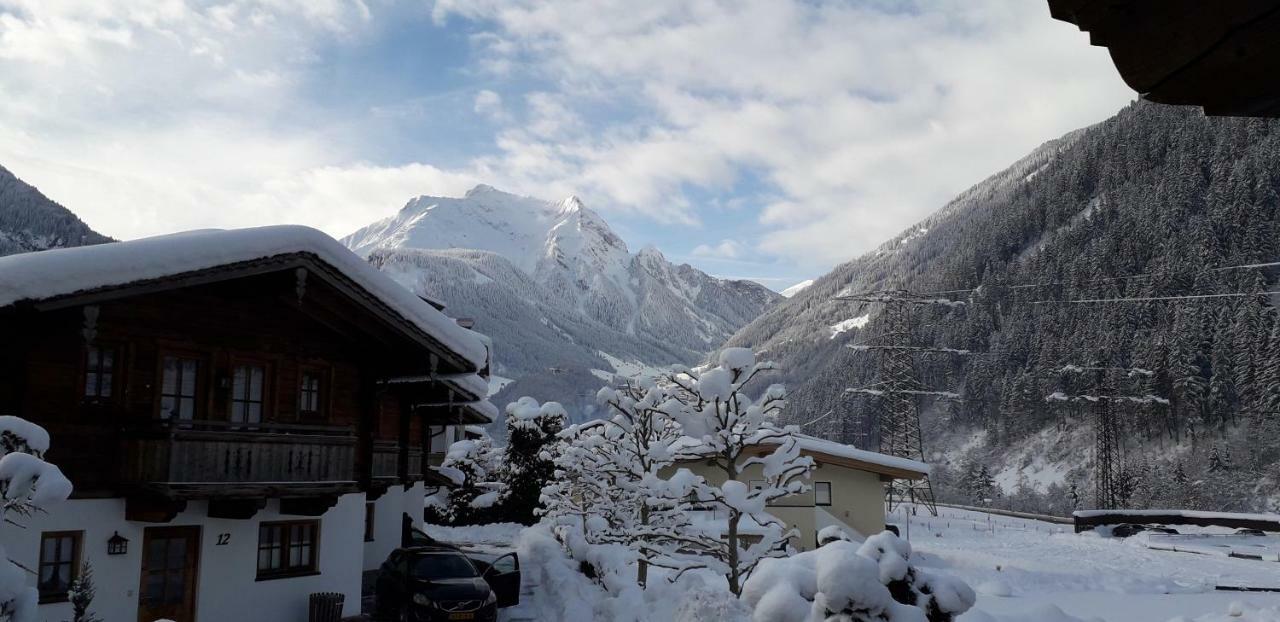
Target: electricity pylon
column 898, row 388
column 1108, row 450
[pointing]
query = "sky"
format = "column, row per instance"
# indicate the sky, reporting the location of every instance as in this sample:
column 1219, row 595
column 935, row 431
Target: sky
column 761, row 139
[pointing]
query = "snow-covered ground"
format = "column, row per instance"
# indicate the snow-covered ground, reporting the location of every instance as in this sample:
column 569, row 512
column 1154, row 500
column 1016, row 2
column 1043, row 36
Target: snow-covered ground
column 1042, row 565
column 1022, row 570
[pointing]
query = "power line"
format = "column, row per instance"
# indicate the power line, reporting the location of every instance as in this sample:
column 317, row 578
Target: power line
column 1154, row 298
column 1250, row 266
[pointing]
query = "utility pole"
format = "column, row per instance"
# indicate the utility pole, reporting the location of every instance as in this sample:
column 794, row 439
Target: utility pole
column 898, row 389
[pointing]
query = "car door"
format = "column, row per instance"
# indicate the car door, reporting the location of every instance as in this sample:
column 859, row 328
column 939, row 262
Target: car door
column 503, row 577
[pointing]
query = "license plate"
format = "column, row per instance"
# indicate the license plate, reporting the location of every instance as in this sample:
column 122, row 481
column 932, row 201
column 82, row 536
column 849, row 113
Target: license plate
column 462, row 616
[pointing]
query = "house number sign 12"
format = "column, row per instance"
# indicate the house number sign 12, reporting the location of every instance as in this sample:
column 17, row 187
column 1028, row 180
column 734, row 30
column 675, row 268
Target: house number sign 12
column 224, row 539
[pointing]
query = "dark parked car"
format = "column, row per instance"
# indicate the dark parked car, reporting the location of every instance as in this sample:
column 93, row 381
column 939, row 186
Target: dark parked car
column 441, row 583
column 1127, row 529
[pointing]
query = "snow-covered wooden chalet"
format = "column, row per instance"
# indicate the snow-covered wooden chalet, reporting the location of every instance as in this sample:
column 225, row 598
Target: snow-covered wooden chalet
column 245, row 415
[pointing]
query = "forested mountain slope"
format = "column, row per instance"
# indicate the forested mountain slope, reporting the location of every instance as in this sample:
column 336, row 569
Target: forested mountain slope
column 29, row 221
column 565, row 301
column 1152, row 203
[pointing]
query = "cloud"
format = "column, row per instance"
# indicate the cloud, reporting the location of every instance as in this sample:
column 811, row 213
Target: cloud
column 726, row 249
column 831, row 125
column 488, row 104
column 858, row 118
column 147, row 118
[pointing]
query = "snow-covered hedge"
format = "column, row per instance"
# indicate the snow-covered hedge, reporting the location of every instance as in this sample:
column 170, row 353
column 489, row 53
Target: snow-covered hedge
column 871, row 582
column 565, row 593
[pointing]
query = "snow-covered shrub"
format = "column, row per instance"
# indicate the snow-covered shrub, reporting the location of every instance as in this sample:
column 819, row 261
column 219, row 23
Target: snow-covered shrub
column 835, row 533
column 27, row 483
column 729, row 430
column 874, row 582
column 529, row 462
column 474, row 465
column 607, row 487
column 566, row 594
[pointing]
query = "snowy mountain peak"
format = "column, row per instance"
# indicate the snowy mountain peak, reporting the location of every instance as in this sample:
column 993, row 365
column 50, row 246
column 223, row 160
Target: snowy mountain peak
column 481, row 189
column 562, row 251
column 571, row 204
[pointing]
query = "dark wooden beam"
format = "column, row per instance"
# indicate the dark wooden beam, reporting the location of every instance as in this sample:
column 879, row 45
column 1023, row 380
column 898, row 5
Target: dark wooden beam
column 150, row 509
column 308, row 506
column 238, row 509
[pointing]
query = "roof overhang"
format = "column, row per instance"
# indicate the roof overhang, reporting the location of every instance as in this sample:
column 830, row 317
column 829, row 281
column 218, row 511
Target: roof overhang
column 314, row 266
column 1223, row 56
column 820, row 457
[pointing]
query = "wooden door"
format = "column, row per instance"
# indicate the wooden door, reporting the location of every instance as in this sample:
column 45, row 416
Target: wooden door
column 170, row 559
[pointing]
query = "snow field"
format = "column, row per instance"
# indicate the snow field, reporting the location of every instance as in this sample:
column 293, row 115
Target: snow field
column 1043, row 565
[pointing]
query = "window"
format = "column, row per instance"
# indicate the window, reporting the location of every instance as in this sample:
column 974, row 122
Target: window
column 368, row 522
column 309, row 394
column 59, row 564
column 178, row 388
column 822, row 493
column 246, row 394
column 98, row 373
column 287, row 549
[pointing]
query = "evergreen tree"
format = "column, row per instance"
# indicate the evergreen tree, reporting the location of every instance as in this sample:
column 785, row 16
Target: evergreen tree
column 529, row 461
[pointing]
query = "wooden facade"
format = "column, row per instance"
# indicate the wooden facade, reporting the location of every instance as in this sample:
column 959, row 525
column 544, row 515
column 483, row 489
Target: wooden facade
column 251, row 382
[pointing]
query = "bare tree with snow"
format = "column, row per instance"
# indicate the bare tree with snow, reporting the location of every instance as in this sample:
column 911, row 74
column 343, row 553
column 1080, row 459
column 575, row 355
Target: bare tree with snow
column 736, row 434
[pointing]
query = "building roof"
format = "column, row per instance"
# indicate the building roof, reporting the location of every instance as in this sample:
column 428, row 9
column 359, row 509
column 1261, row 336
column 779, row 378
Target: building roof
column 831, row 452
column 1222, row 56
column 68, row 272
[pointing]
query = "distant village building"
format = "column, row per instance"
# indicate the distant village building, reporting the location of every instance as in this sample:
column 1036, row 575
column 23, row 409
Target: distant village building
column 246, row 416
column 846, row 490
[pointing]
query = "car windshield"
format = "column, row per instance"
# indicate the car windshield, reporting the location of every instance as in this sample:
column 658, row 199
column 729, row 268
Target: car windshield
column 442, row 566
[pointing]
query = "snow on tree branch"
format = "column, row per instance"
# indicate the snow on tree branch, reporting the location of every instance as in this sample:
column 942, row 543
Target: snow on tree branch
column 27, row 483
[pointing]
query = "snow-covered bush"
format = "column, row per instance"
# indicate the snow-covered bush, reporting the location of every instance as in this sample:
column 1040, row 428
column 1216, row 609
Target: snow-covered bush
column 529, row 462
column 729, row 430
column 608, row 488
column 474, row 466
column 874, row 582
column 566, row 594
column 835, row 533
column 27, row 483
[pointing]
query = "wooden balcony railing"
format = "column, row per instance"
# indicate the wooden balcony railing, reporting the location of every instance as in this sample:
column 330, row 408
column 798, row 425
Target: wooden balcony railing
column 198, row 453
column 386, row 461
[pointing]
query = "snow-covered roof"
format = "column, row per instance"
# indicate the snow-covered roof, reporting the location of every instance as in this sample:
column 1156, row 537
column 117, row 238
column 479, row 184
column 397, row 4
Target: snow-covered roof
column 61, row 272
column 823, row 448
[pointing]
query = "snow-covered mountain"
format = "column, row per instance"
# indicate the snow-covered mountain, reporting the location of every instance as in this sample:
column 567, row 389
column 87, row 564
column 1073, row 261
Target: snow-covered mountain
column 797, row 288
column 1148, row 204
column 561, row 294
column 30, row 221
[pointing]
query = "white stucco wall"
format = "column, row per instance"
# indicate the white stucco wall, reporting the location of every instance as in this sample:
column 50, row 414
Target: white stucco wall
column 227, row 585
column 386, row 521
column 857, row 500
